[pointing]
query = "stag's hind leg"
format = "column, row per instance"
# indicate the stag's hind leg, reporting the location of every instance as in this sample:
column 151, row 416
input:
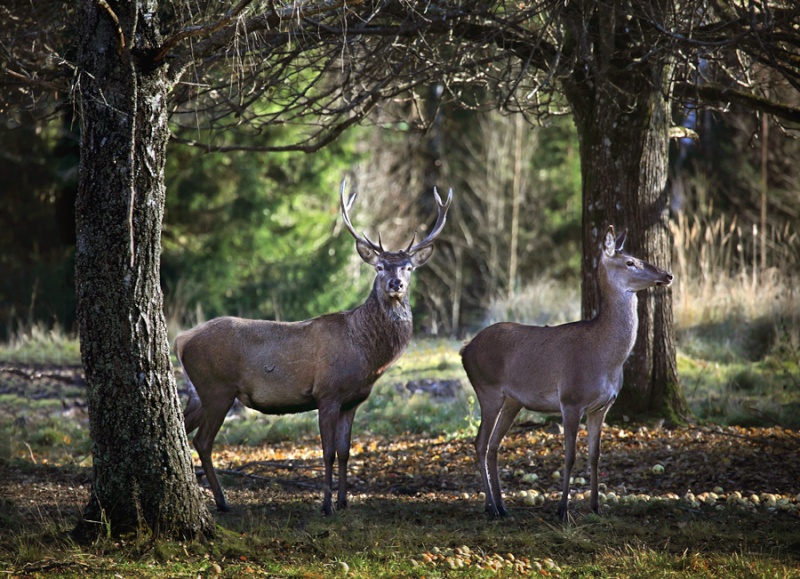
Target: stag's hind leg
column 193, row 413
column 490, row 412
column 508, row 413
column 213, row 415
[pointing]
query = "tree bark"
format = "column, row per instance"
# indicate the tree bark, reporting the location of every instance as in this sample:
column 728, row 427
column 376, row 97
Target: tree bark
column 622, row 118
column 142, row 475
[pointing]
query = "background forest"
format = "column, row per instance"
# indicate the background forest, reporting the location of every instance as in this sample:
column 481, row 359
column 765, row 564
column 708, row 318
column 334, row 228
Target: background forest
column 259, row 234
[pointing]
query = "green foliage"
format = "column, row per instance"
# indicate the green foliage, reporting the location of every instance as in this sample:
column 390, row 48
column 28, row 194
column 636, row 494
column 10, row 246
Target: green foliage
column 557, row 168
column 542, row 239
column 255, row 238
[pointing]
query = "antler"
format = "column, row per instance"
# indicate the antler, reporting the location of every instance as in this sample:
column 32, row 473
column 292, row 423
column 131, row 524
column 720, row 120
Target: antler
column 437, row 228
column 378, row 247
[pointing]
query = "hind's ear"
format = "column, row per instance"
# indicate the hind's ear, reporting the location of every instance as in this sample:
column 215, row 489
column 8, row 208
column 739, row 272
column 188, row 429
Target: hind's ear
column 621, row 239
column 609, row 243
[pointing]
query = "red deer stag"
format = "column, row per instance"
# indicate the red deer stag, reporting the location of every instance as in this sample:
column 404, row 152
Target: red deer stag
column 573, row 368
column 327, row 363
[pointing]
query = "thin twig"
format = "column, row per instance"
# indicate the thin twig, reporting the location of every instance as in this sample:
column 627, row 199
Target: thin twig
column 757, row 439
column 262, row 479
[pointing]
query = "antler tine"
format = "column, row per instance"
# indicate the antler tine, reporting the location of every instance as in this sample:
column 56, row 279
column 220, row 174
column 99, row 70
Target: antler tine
column 411, row 243
column 346, row 218
column 441, row 218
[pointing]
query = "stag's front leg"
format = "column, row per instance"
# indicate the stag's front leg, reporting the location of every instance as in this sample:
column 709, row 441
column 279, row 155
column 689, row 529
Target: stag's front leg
column 328, row 419
column 344, row 429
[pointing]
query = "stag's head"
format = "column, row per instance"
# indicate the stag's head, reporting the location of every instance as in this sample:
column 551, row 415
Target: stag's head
column 394, row 267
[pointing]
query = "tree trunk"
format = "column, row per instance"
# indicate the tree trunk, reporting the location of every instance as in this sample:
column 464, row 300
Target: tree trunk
column 623, row 126
column 142, row 477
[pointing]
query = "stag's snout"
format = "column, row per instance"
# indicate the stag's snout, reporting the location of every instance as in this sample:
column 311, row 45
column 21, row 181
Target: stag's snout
column 396, row 287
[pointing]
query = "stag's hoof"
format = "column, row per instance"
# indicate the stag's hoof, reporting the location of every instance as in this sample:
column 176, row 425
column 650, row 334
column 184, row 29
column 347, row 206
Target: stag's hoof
column 495, row 512
column 223, row 508
column 564, row 516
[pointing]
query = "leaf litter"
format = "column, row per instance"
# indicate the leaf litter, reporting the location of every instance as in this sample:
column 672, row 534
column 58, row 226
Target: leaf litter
column 677, row 474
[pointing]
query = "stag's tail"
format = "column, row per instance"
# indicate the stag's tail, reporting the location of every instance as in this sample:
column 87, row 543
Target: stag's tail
column 193, row 412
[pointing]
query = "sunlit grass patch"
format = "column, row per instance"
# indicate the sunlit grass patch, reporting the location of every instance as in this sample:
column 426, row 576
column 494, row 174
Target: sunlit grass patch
column 253, row 428
column 741, row 392
column 38, row 344
column 434, row 358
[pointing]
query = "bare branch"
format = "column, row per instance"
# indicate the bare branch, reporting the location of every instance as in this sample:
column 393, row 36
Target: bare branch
column 205, row 30
column 120, row 35
column 717, row 93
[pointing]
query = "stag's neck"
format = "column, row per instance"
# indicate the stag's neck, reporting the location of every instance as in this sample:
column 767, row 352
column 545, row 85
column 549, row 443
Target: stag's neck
column 383, row 327
column 617, row 321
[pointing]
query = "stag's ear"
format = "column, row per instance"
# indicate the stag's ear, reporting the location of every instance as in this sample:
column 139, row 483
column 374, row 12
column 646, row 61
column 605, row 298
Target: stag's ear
column 367, row 253
column 422, row 255
column 609, row 244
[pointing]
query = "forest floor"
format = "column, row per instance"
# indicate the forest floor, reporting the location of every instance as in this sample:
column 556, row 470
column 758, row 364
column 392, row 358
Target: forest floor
column 701, row 492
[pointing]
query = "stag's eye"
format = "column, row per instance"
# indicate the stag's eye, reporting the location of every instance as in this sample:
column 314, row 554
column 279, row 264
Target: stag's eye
column 379, row 267
column 631, row 263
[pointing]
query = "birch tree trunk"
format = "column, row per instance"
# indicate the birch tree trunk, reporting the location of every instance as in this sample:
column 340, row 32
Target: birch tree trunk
column 142, row 470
